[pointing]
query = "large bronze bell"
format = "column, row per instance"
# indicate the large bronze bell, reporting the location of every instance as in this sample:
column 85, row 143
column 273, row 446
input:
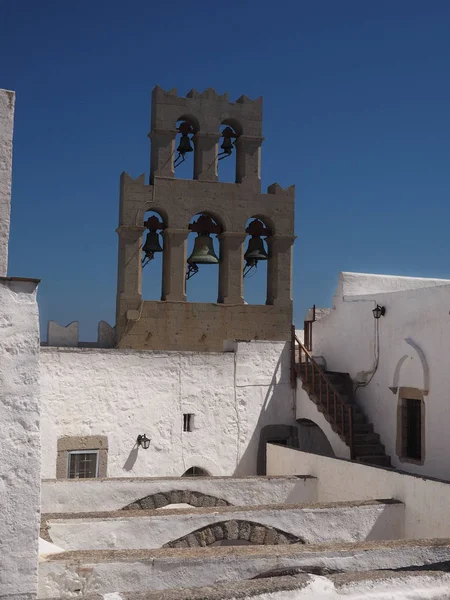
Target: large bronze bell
column 185, row 145
column 203, row 252
column 255, row 251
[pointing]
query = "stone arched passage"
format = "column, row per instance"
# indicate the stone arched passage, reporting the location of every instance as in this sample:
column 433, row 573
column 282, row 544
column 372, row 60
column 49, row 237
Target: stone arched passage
column 161, row 499
column 255, row 533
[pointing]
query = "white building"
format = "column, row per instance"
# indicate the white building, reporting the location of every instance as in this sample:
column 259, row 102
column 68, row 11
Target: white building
column 157, row 440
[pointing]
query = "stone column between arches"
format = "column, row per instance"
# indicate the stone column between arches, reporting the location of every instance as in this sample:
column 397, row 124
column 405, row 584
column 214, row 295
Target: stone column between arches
column 174, row 265
column 279, row 270
column 231, row 281
column 205, row 156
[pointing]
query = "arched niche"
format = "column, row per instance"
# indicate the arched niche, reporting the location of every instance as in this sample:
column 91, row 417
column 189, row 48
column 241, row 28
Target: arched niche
column 203, row 285
column 196, row 472
column 152, row 266
column 227, row 154
column 184, row 148
column 255, row 270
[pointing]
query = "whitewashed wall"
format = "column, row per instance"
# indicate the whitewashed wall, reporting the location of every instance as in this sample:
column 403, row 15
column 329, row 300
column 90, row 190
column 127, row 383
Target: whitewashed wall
column 416, row 326
column 314, row 524
column 426, row 501
column 20, row 445
column 7, row 100
column 80, row 495
column 123, row 393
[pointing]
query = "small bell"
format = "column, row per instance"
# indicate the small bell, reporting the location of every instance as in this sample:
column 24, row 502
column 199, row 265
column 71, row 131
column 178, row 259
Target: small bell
column 203, row 252
column 227, row 145
column 185, row 145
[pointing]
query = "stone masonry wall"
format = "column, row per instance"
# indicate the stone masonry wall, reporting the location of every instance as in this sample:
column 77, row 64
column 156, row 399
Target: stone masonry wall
column 20, row 457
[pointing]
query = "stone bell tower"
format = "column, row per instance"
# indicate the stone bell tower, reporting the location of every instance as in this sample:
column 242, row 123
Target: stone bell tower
column 172, row 323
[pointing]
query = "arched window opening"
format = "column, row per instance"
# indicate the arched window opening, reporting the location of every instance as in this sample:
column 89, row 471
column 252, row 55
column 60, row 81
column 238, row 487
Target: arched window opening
column 203, row 261
column 183, row 159
column 227, row 154
column 255, row 262
column 196, row 472
column 152, row 256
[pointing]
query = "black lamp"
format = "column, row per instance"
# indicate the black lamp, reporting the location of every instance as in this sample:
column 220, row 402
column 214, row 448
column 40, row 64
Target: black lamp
column 379, row 311
column 143, row 440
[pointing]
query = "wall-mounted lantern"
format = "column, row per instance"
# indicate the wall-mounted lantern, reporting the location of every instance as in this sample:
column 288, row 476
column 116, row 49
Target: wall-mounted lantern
column 379, row 311
column 144, row 441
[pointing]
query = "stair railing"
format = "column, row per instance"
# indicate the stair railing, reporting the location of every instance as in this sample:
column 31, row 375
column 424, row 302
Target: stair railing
column 307, row 368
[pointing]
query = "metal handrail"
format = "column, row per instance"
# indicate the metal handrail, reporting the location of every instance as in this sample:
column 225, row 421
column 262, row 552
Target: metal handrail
column 333, row 396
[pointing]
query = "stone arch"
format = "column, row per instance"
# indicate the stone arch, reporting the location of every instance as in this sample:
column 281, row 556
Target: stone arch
column 234, row 124
column 160, row 499
column 425, row 368
column 191, row 119
column 196, row 472
column 250, row 531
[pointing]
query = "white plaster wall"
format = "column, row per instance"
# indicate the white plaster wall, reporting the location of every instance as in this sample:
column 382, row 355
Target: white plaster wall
column 123, row 393
column 426, row 501
column 7, row 100
column 417, row 310
column 157, row 572
column 20, row 444
column 78, row 495
column 306, row 409
column 376, row 521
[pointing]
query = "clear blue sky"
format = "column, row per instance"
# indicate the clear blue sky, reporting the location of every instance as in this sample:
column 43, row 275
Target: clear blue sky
column 356, row 114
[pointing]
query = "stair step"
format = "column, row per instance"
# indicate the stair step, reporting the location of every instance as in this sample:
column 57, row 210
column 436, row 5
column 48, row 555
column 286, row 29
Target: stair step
column 382, row 460
column 366, row 438
column 362, row 428
column 368, row 449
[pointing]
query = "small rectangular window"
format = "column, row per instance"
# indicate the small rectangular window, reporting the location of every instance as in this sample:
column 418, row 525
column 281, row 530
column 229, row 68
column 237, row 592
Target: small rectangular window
column 188, row 422
column 412, row 428
column 82, row 464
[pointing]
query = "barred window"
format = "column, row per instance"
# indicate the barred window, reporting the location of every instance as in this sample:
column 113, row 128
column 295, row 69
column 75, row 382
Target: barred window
column 82, row 464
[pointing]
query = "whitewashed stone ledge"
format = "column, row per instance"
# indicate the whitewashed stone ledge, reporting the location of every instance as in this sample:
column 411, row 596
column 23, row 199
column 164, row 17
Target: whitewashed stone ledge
column 78, row 495
column 147, row 529
column 108, row 571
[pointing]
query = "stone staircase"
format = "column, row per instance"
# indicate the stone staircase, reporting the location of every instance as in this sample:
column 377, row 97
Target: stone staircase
column 332, row 392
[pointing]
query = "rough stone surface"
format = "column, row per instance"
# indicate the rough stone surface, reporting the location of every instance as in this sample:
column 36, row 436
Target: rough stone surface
column 7, row 101
column 20, row 452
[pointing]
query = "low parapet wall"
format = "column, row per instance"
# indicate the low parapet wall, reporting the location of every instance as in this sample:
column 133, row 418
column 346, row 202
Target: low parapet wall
column 77, row 495
column 102, row 572
column 426, row 500
column 335, row 522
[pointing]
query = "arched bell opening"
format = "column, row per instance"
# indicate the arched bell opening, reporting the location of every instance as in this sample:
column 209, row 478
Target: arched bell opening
column 202, row 268
column 183, row 158
column 152, row 249
column 256, row 257
column 227, row 151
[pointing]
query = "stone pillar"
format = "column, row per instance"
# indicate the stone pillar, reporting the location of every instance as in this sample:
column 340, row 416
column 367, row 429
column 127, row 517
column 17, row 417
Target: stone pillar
column 162, row 153
column 174, row 264
column 248, row 162
column 205, row 157
column 129, row 277
column 6, row 133
column 279, row 270
column 231, row 280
